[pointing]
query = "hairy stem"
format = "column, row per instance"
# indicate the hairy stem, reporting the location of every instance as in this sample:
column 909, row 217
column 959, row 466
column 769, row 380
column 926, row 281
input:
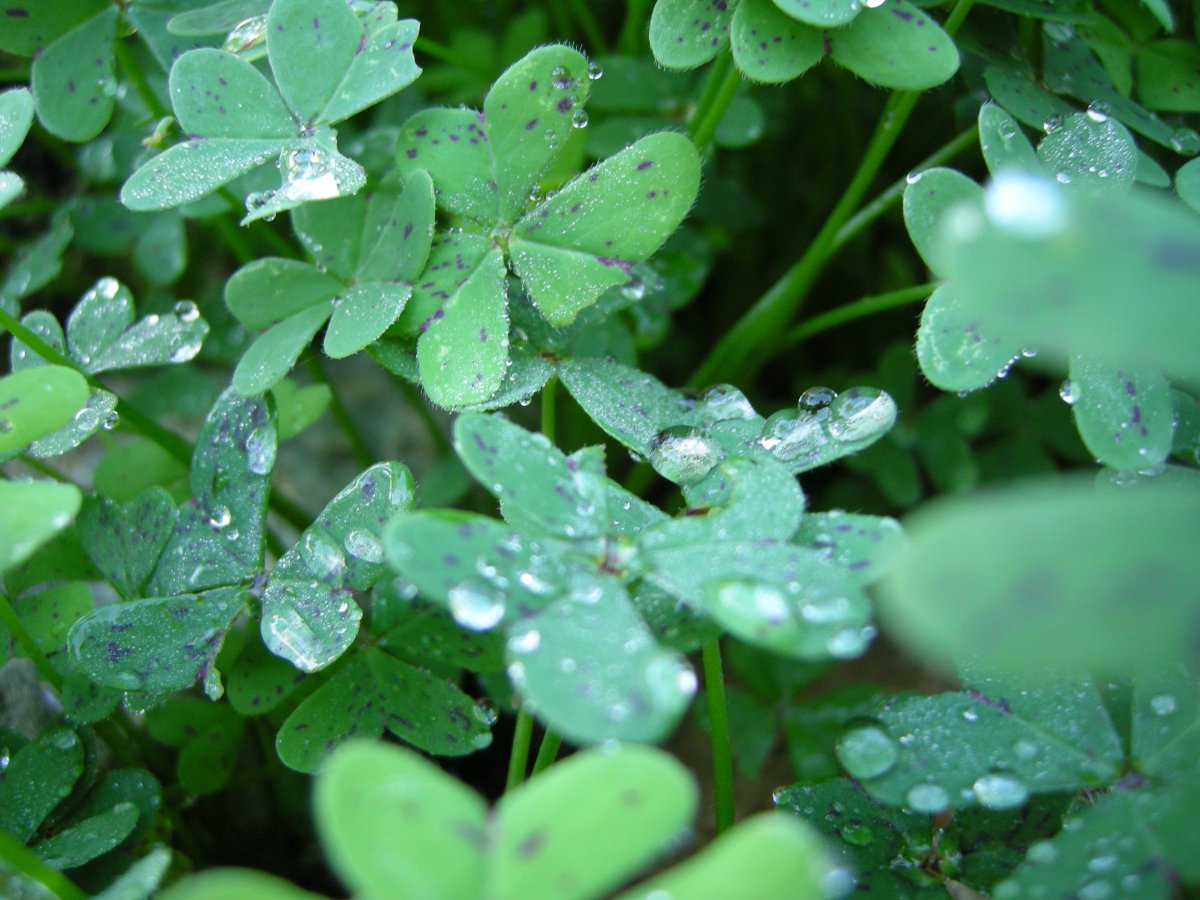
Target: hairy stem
column 723, row 82
column 718, row 717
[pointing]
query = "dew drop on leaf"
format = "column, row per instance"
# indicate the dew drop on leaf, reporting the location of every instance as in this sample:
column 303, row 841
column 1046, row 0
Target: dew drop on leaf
column 867, row 752
column 187, row 311
column 260, row 450
column 683, row 454
column 324, row 557
column 1025, row 205
column 1000, row 790
column 361, row 544
column 526, row 641
column 579, row 118
column 595, row 71
column 860, row 414
column 723, row 402
column 246, row 34
column 475, row 606
column 220, row 517
column 927, row 798
column 1163, row 704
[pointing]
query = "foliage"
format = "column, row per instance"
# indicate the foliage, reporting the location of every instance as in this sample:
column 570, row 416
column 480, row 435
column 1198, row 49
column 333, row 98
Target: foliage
column 579, row 204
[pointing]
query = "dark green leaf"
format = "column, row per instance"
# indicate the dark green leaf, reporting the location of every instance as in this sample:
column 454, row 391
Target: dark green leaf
column 39, row 776
column 895, row 45
column 73, row 80
column 771, row 46
column 88, row 838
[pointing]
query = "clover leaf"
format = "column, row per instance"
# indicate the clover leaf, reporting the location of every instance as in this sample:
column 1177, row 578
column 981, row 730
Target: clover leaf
column 327, row 64
column 16, row 115
column 566, row 249
column 894, row 45
column 367, row 255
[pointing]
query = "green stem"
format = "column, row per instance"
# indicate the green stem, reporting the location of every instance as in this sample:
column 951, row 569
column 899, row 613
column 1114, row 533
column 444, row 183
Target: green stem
column 718, row 717
column 723, row 82
column 630, row 39
column 341, row 415
column 14, row 76
column 425, row 414
column 592, row 32
column 867, row 306
column 892, row 195
column 25, row 861
column 518, row 761
column 746, row 347
column 49, row 471
column 132, row 417
column 11, row 621
column 547, row 752
column 550, row 409
column 133, row 71
column 449, row 55
column 33, row 207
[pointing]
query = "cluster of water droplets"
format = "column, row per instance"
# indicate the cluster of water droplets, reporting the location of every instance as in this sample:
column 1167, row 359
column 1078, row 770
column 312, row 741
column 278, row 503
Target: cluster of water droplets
column 246, row 34
column 823, row 417
column 309, row 173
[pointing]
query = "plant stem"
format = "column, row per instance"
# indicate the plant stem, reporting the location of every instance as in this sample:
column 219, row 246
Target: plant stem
column 550, row 409
column 547, row 752
column 11, row 621
column 746, row 347
column 518, row 760
column 589, row 26
column 178, row 447
column 341, row 415
column 718, row 717
column 25, row 861
column 630, row 38
column 49, row 471
column 866, row 306
column 889, row 197
column 723, row 81
column 133, row 71
column 448, row 55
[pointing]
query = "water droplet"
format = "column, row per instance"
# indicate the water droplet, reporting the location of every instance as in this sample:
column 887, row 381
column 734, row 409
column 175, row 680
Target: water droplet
column 837, row 883
column 867, row 752
column 1025, row 750
column 187, row 311
column 87, row 419
column 1069, row 392
column 1025, row 205
column 1096, row 890
column 561, row 78
column 1163, row 705
column 246, row 34
column 861, row 414
column 1104, row 863
column 816, row 398
column 579, row 118
column 6, row 426
column 789, row 434
column 970, row 715
column 1098, row 111
column 913, row 177
column 1052, row 124
column 683, row 454
column 874, row 4
column 927, row 798
column 220, row 517
column 1000, row 790
column 475, row 606
column 722, row 402
column 323, row 556
column 857, row 833
column 847, row 643
column 261, row 446
column 482, row 740
column 1186, row 141
column 526, row 641
column 634, row 289
column 361, row 544
column 63, row 740
column 595, row 71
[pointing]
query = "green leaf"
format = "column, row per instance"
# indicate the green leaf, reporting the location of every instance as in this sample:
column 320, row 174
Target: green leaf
column 928, row 197
column 73, row 80
column 39, row 776
column 143, row 878
column 157, row 644
column 685, row 34
column 31, row 26
column 767, row 855
column 865, row 546
column 771, row 46
column 309, row 616
column 1091, row 151
column 574, row 245
column 992, row 576
column 1166, row 76
column 1165, row 738
column 311, row 43
column 36, row 402
column 372, row 798
column 270, row 290
column 562, row 662
column 1187, row 183
column 217, row 95
column 34, row 512
column 374, row 691
column 234, row 884
column 1095, row 255
column 956, row 351
column 89, row 838
column 381, row 67
column 895, row 45
column 462, row 354
column 218, row 537
column 397, row 231
column 1015, row 89
column 195, row 168
column 538, row 488
column 209, row 760
column 299, row 407
column 16, row 115
column 258, row 681
column 272, row 356
column 544, row 846
column 997, row 744
column 47, row 615
column 453, row 146
column 361, row 314
column 1125, row 416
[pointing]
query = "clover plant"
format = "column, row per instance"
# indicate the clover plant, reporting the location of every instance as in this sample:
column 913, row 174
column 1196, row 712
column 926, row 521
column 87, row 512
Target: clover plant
column 597, row 376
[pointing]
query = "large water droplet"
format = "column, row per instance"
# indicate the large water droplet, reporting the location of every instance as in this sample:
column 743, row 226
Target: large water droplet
column 361, row 544
column 722, row 402
column 1042, row 852
column 867, row 752
column 1163, row 704
column 1069, row 392
column 323, row 556
column 595, row 71
column 1000, row 790
column 927, row 798
column 579, row 118
column 1098, row 111
column 788, row 435
column 246, row 34
column 220, row 517
column 526, row 641
column 683, row 454
column 860, row 414
column 187, row 311
column 260, row 450
column 475, row 606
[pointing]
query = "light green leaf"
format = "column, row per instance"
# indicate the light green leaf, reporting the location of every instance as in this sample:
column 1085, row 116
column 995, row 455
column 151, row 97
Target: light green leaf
column 608, row 218
column 276, row 350
column 1166, row 76
column 98, row 319
column 217, row 95
column 311, row 44
column 765, row 856
column 1165, row 718
column 1030, row 103
column 143, row 878
column 865, row 546
column 16, row 115
column 39, row 776
column 258, row 681
column 685, row 34
column 1000, row 575
column 956, row 351
column 299, row 407
column 1091, row 151
column 372, row 798
column 928, row 197
column 361, row 314
column 1124, row 416
column 36, row 402
column 382, row 67
column 562, row 662
column 193, row 169
column 157, row 644
column 452, row 145
column 1002, row 141
column 234, row 884
column 11, row 186
column 461, row 355
column 636, row 800
column 397, row 231
column 1187, row 183
column 771, row 46
column 31, row 26
column 821, row 13
column 271, row 289
column 895, row 45
column 73, row 80
column 84, row 840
